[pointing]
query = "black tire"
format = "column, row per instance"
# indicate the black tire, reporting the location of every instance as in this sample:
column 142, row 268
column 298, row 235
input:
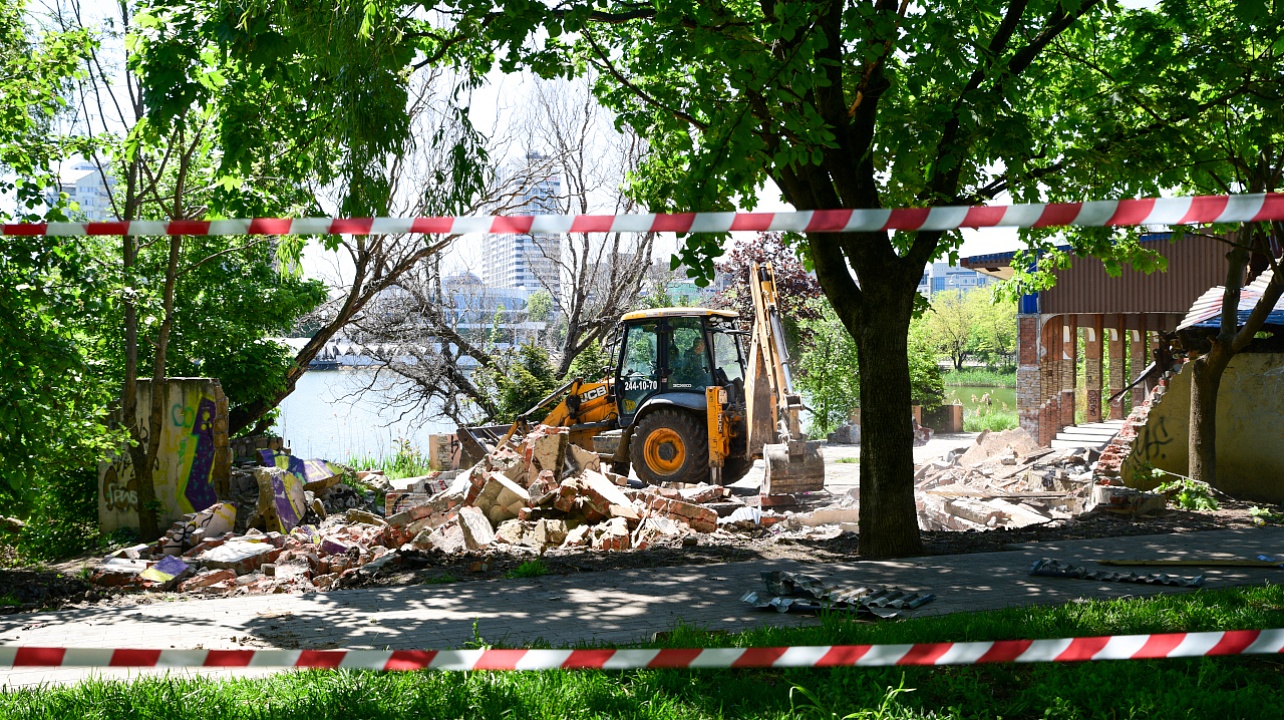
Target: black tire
column 670, row 427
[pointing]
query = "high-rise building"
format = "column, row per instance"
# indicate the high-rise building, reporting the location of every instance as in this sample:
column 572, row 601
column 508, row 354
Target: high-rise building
column 528, row 261
column 83, row 183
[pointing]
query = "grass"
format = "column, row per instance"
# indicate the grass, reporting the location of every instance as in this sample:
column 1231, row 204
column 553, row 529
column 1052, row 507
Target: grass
column 9, row 600
column 848, row 460
column 529, row 569
column 406, row 461
column 1226, row 687
column 994, row 421
column 980, row 377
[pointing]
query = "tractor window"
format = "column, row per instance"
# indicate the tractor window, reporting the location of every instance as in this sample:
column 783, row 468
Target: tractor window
column 640, row 351
column 726, row 358
column 639, row 366
column 688, row 355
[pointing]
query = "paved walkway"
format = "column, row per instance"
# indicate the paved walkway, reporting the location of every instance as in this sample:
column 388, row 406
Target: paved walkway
column 615, row 607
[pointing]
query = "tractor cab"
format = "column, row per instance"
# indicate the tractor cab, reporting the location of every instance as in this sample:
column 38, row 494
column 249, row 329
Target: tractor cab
column 672, row 355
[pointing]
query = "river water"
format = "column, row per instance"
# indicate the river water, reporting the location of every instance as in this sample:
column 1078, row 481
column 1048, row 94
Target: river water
column 332, row 415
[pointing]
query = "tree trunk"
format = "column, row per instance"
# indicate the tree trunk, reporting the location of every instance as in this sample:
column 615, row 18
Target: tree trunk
column 888, row 515
column 1205, row 380
column 888, row 519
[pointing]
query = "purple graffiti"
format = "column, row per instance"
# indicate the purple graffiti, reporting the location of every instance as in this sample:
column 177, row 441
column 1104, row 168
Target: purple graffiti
column 200, row 486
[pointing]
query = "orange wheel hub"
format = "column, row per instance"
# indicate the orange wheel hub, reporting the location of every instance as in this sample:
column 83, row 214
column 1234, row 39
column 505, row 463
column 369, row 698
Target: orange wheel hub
column 664, row 451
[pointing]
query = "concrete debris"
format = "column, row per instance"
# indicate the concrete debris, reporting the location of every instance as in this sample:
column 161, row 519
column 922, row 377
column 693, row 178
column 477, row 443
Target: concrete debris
column 1055, row 568
column 1003, row 480
column 291, row 525
column 788, row 591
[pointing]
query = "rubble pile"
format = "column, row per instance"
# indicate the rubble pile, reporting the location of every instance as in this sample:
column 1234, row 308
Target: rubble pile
column 1003, row 480
column 293, row 526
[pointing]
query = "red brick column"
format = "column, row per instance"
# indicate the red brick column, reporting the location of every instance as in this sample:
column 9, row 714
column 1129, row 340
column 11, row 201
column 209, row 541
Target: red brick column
column 1029, row 398
column 1115, row 337
column 1069, row 368
column 1050, row 378
column 1092, row 368
column 1137, row 360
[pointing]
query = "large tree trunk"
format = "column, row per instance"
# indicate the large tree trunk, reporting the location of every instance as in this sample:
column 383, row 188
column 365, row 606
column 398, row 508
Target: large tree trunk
column 1205, row 380
column 888, row 519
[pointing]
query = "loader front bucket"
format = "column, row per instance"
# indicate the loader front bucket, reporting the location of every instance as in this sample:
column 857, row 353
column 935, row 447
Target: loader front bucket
column 793, row 467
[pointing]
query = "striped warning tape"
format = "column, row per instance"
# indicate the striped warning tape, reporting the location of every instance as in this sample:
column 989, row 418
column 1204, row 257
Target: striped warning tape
column 1116, row 647
column 1103, row 213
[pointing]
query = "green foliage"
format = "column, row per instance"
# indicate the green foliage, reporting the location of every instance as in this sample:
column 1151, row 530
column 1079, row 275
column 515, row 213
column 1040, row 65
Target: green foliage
column 405, row 461
column 52, row 393
column 35, row 72
column 529, row 569
column 62, row 519
column 522, row 376
column 972, row 324
column 539, row 306
column 989, row 419
column 828, row 371
column 889, row 708
column 1265, row 516
column 1189, row 494
column 927, row 388
column 829, row 375
column 225, row 311
column 590, row 363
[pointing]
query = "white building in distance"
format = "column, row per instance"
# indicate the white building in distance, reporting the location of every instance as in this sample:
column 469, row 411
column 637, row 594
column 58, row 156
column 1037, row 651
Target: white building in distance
column 526, row 261
column 83, row 183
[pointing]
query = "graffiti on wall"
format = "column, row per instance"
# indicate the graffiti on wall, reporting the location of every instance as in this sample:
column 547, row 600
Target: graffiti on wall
column 183, row 475
column 196, row 447
column 1152, row 442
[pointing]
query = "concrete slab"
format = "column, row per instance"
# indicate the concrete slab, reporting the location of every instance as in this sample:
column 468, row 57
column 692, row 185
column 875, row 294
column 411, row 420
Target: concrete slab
column 614, row 607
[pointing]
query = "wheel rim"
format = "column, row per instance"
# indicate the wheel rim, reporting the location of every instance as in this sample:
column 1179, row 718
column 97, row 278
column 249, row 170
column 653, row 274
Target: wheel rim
column 664, row 451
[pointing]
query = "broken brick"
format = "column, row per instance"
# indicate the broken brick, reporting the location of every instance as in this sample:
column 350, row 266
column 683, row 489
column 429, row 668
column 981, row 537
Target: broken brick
column 699, row 518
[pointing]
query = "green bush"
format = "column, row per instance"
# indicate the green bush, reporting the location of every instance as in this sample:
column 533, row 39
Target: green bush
column 63, row 519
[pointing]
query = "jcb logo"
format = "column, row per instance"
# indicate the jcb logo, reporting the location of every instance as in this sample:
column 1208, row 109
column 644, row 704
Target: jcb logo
column 593, row 394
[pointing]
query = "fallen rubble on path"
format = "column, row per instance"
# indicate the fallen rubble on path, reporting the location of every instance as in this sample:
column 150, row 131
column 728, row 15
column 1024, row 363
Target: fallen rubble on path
column 296, row 526
column 1003, row 480
column 300, row 526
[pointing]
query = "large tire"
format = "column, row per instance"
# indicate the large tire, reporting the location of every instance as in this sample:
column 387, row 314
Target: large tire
column 670, row 446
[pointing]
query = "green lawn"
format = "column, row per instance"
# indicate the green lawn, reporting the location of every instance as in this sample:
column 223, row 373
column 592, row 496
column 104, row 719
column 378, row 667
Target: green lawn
column 1221, row 688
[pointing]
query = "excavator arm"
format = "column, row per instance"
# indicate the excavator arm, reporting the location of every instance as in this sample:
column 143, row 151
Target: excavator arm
column 792, row 462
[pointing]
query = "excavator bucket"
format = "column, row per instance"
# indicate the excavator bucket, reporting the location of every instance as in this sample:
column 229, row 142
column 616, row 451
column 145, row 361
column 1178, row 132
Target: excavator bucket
column 793, row 467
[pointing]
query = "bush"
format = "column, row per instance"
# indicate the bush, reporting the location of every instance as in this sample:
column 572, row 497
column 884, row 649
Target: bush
column 63, row 520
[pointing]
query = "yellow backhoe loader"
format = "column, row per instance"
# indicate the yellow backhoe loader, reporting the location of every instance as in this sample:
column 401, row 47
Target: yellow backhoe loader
column 682, row 403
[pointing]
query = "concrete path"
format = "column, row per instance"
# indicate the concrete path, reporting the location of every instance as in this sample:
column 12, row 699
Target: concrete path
column 615, row 607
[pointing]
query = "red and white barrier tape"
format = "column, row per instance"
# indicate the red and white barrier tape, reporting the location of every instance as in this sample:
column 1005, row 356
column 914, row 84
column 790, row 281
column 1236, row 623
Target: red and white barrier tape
column 1116, row 647
column 1103, row 213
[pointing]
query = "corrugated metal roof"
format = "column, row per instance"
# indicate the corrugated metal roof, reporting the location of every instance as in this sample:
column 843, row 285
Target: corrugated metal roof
column 1207, row 310
column 1274, row 319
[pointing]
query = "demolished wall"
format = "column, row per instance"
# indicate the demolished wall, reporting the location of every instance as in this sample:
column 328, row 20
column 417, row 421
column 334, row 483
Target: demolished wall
column 194, row 463
column 1250, row 431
